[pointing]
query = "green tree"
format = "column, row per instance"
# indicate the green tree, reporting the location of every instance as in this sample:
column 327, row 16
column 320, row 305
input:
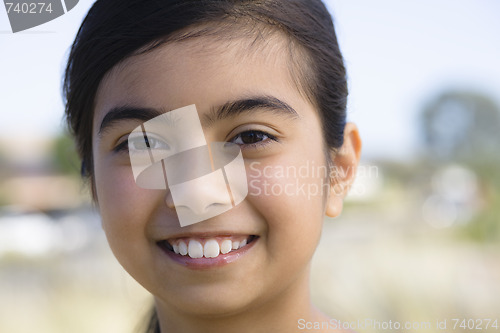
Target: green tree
column 462, row 126
column 64, row 156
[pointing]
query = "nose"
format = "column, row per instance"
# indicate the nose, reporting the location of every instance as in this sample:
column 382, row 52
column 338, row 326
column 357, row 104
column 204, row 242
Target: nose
column 198, row 186
column 201, row 198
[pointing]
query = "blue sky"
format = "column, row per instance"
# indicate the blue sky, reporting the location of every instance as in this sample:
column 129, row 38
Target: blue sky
column 399, row 54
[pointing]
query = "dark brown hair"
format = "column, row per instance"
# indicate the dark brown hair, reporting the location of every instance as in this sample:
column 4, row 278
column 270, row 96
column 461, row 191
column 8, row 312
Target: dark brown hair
column 114, row 30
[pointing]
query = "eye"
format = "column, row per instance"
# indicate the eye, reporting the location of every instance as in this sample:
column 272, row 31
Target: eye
column 143, row 143
column 252, row 138
column 137, row 143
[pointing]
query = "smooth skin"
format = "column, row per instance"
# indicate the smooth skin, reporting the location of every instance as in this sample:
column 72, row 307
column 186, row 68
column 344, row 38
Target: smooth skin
column 267, row 288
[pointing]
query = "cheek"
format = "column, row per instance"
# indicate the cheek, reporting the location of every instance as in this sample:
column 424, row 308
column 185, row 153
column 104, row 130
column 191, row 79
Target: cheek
column 290, row 193
column 289, row 180
column 125, row 208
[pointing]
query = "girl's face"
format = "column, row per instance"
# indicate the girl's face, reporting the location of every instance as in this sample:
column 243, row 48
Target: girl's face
column 283, row 148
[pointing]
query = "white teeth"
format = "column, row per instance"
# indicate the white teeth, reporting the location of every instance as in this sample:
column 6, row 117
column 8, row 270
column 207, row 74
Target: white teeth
column 183, row 249
column 225, row 246
column 243, row 243
column 195, row 249
column 211, row 249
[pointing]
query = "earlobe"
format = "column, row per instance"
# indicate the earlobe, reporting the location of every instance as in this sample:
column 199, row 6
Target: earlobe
column 345, row 162
column 334, row 206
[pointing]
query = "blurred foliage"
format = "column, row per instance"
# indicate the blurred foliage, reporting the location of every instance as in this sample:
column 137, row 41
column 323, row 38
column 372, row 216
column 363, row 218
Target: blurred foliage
column 64, row 156
column 485, row 227
column 463, row 127
column 3, row 175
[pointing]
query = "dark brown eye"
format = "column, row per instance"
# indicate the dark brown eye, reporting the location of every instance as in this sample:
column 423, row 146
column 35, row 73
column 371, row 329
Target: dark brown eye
column 250, row 137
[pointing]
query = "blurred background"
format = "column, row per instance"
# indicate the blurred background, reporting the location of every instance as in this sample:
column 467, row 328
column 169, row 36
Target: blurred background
column 418, row 241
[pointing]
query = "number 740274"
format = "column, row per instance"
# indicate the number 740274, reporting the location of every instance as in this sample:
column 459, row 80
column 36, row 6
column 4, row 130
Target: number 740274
column 28, row 7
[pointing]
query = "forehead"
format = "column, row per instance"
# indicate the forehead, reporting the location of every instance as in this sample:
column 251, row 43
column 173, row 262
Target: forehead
column 201, row 71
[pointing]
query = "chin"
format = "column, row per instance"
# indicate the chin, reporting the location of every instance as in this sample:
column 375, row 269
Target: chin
column 214, row 302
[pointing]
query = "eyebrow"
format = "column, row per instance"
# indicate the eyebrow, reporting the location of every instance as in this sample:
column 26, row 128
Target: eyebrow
column 235, row 108
column 123, row 113
column 227, row 110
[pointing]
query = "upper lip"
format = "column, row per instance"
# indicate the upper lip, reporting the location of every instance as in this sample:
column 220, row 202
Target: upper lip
column 208, row 234
column 229, row 225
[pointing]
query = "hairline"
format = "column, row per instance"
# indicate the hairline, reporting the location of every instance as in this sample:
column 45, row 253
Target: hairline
column 298, row 59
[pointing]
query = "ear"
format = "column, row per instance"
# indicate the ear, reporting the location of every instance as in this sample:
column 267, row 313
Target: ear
column 345, row 162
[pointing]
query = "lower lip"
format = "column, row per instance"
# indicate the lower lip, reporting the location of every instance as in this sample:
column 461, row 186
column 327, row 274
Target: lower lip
column 207, row 263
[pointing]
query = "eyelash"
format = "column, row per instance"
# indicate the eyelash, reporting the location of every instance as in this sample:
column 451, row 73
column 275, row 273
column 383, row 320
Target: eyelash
column 151, row 140
column 261, row 143
column 123, row 146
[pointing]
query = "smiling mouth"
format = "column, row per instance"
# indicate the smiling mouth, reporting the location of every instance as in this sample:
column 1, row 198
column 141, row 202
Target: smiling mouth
column 210, row 247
